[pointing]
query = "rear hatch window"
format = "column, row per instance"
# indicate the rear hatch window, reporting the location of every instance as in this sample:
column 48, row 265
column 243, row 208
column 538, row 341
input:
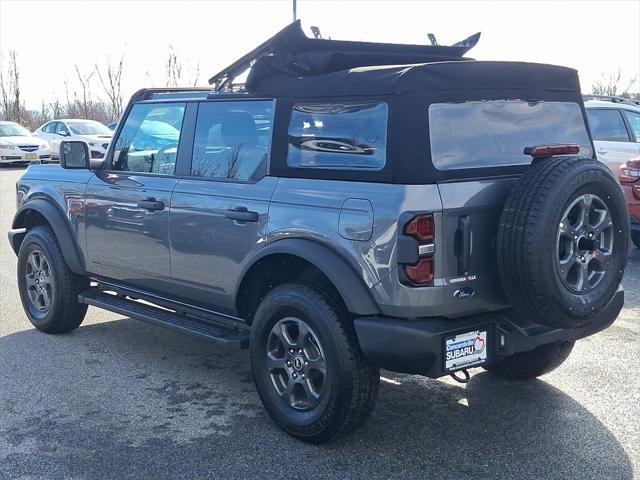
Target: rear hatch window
column 495, row 133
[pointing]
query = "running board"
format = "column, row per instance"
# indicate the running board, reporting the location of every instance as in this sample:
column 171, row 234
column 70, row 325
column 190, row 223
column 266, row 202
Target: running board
column 215, row 333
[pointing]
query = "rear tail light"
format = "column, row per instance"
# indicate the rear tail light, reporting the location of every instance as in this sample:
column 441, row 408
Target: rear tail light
column 550, row 150
column 422, row 272
column 629, row 171
column 421, row 227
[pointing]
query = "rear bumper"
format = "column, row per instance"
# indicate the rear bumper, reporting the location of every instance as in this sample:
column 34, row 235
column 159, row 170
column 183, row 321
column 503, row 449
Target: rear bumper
column 416, row 346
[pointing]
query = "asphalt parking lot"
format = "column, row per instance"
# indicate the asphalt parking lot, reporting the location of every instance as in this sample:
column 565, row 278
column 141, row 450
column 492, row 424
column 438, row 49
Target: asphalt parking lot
column 121, row 399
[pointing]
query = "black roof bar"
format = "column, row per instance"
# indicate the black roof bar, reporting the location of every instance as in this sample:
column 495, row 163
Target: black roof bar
column 147, row 93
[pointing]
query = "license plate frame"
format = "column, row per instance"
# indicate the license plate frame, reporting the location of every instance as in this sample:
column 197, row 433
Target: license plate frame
column 466, row 349
column 31, row 156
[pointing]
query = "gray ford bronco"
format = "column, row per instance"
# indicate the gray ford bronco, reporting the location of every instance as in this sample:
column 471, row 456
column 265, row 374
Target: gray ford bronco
column 348, row 206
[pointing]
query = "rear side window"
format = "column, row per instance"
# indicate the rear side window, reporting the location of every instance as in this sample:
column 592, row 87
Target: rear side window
column 495, row 133
column 232, row 140
column 148, row 140
column 634, row 120
column 339, row 136
column 607, row 125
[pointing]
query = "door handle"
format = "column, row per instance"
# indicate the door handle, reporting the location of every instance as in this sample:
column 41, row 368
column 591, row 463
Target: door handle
column 241, row 214
column 150, row 204
column 602, row 150
column 463, row 244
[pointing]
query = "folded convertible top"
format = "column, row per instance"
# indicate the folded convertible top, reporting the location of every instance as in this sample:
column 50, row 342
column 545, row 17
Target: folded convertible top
column 291, row 54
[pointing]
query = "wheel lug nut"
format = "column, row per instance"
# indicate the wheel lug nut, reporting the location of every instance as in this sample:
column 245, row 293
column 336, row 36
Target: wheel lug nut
column 288, row 363
column 295, row 375
column 299, row 351
column 291, row 351
column 306, row 364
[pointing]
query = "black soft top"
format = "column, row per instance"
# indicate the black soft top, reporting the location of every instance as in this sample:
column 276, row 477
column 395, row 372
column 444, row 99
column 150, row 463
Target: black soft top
column 293, row 65
column 431, row 77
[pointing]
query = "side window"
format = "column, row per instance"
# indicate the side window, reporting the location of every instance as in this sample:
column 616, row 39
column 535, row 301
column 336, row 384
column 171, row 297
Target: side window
column 61, row 129
column 148, row 141
column 232, row 140
column 48, row 128
column 634, row 120
column 607, row 125
column 340, row 136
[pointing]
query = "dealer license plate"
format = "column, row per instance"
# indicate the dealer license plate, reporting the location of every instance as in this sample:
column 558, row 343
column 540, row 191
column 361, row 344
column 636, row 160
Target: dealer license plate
column 31, row 156
column 465, row 350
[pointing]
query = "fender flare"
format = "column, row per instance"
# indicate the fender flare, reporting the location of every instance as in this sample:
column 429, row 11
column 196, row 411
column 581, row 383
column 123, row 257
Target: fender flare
column 60, row 226
column 349, row 285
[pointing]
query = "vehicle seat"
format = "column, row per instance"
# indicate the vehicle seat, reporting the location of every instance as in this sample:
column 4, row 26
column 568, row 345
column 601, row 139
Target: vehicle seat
column 240, row 136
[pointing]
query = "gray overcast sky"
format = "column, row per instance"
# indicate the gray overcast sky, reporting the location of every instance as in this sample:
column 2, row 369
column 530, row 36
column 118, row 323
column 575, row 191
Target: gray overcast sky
column 51, row 36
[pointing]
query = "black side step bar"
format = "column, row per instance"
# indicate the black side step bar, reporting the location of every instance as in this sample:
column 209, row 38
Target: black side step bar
column 215, row 333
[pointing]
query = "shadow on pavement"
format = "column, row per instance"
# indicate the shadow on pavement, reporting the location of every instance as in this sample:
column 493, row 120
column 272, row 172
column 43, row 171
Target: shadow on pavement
column 126, row 400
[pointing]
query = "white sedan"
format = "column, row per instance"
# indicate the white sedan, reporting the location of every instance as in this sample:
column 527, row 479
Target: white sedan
column 94, row 133
column 17, row 144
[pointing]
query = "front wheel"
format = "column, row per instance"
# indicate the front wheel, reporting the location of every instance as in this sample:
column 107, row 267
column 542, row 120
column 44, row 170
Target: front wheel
column 307, row 365
column 532, row 364
column 48, row 288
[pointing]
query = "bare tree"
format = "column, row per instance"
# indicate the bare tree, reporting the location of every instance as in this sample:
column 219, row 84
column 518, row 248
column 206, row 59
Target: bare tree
column 173, row 70
column 177, row 75
column 12, row 103
column 85, row 86
column 609, row 84
column 111, row 83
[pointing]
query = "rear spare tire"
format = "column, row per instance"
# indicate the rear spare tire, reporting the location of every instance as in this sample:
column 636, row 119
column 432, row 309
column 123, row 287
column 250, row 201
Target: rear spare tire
column 562, row 241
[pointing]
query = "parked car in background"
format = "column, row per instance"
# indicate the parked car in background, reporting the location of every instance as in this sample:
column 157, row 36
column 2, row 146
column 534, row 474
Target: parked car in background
column 112, row 126
column 615, row 126
column 94, row 133
column 17, row 144
column 630, row 181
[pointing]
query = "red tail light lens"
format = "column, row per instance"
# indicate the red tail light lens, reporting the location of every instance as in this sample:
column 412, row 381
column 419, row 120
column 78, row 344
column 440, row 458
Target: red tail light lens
column 422, row 228
column 630, row 171
column 420, row 273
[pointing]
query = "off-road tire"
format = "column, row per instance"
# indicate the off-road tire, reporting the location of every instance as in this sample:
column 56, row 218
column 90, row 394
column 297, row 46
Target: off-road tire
column 64, row 313
column 528, row 234
column 351, row 380
column 635, row 238
column 532, row 364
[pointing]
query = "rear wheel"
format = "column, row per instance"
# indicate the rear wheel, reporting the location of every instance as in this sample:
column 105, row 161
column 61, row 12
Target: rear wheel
column 48, row 288
column 307, row 366
column 526, row 365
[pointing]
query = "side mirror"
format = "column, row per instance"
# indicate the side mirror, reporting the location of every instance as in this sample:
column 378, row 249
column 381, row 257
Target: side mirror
column 62, row 133
column 74, row 154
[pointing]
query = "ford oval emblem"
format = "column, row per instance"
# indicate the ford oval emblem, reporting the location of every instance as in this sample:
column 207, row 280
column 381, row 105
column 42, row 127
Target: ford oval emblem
column 464, row 292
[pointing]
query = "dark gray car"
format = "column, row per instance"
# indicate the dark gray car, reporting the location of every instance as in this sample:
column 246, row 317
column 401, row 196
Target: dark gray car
column 354, row 206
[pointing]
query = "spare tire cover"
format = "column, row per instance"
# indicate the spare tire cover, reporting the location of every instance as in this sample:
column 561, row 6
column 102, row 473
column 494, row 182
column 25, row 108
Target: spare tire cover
column 563, row 241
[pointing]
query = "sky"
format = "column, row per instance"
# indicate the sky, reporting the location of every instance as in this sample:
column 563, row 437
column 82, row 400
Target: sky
column 51, row 37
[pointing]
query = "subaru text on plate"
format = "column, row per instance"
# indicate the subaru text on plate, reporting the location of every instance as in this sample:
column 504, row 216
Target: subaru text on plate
column 352, row 206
